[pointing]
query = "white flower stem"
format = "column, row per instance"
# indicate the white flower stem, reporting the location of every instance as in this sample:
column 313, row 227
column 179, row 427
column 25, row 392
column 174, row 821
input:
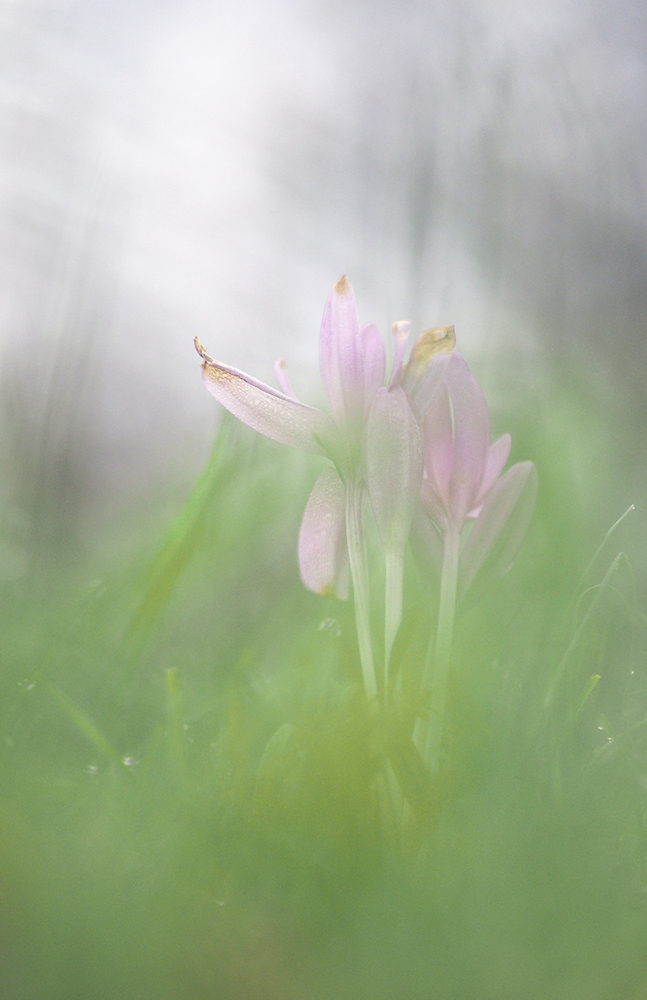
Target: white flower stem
column 392, row 605
column 359, row 573
column 436, row 675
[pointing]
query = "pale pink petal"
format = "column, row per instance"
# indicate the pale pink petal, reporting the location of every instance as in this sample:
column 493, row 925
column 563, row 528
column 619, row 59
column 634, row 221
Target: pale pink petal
column 340, row 357
column 265, row 409
column 282, row 377
column 471, row 433
column 439, row 445
column 374, row 361
column 497, row 457
column 427, row 362
column 393, row 465
column 499, row 530
column 323, row 553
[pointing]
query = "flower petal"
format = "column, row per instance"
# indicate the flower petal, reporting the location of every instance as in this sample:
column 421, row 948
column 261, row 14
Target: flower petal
column 471, row 432
column 282, row 377
column 428, row 359
column 499, row 530
column 265, row 409
column 349, row 361
column 393, row 465
column 430, row 343
column 323, row 552
column 496, row 459
column 439, row 446
column 374, row 361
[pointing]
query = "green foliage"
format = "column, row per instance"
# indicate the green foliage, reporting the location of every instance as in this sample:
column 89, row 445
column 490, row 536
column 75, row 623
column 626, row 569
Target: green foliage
column 192, row 785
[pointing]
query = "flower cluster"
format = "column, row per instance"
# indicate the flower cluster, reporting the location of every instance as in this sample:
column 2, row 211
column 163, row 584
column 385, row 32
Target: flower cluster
column 417, row 445
column 371, row 436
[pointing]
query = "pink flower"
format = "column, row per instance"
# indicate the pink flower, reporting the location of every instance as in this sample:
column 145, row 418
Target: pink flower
column 371, row 435
column 464, row 480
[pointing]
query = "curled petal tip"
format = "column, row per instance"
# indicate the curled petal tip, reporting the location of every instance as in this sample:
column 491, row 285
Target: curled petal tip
column 200, row 349
column 343, row 286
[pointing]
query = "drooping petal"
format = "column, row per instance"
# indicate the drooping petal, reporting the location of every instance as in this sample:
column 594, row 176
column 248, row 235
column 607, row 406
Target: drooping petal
column 497, row 533
column 348, row 361
column 393, row 465
column 272, row 413
column 323, row 552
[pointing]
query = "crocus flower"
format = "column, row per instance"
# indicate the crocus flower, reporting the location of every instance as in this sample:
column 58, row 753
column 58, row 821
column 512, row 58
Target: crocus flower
column 371, row 437
column 464, row 481
column 352, row 362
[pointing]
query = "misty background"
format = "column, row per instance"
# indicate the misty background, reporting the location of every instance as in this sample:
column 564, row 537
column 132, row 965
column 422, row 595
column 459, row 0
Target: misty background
column 170, row 169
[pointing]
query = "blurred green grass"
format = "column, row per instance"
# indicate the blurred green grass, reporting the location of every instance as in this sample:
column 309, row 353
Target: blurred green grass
column 184, row 764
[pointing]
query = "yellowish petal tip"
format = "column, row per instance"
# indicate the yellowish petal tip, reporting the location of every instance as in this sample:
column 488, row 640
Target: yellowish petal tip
column 201, row 351
column 438, row 340
column 343, row 285
column 441, row 339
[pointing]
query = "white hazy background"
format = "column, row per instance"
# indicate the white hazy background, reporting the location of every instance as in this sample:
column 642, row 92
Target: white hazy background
column 176, row 168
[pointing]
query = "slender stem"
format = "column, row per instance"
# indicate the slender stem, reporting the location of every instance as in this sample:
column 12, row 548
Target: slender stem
column 393, row 604
column 359, row 573
column 429, row 735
